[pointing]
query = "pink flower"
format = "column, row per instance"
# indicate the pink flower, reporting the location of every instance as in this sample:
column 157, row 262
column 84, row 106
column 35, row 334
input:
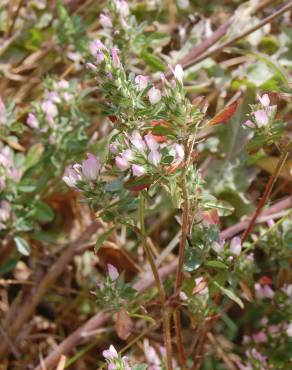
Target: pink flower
column 32, row 121
column 90, row 66
column 249, row 124
column 113, row 147
column 90, row 167
column 50, row 110
column 110, row 354
column 63, row 84
column 154, row 95
column 2, row 112
column 264, row 100
column 260, row 337
column 180, row 153
column 138, row 170
column 141, row 81
column 235, row 246
column 154, row 157
column 2, row 183
column 261, row 118
column 116, row 59
column 127, row 154
column 72, row 176
column 105, row 21
column 122, row 163
column 113, row 272
column 151, row 142
column 96, row 47
column 137, row 141
column 5, row 210
column 122, row 8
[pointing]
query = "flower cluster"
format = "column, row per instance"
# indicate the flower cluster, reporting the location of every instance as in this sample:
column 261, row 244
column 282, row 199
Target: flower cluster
column 58, row 96
column 144, row 155
column 262, row 114
column 114, row 360
column 87, row 171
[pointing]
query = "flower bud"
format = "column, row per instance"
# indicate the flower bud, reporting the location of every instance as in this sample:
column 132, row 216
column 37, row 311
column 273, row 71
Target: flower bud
column 32, row 121
column 113, row 147
column 5, row 209
column 138, row 170
column 261, row 118
column 122, row 163
column 151, row 142
column 141, row 81
column 264, row 100
column 154, row 95
column 113, row 272
column 105, row 21
column 90, row 167
column 116, row 59
column 137, row 141
column 110, row 354
column 154, row 157
column 178, row 73
column 72, row 176
column 95, row 47
column 122, row 8
column 235, row 246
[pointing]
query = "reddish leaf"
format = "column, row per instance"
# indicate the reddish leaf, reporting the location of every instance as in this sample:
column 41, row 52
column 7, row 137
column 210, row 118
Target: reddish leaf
column 138, row 185
column 123, row 324
column 265, row 280
column 224, row 115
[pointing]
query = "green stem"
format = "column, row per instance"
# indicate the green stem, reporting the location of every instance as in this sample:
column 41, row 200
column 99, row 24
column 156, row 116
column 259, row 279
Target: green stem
column 162, row 294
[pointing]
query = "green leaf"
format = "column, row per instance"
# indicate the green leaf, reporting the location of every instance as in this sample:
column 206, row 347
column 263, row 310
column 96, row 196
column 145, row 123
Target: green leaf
column 102, row 238
column 192, row 260
column 216, row 264
column 42, row 212
column 230, row 294
column 152, row 60
column 34, row 155
column 140, row 367
column 22, row 245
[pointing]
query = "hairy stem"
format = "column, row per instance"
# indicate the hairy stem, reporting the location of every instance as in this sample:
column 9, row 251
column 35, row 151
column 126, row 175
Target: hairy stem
column 165, row 311
column 265, row 196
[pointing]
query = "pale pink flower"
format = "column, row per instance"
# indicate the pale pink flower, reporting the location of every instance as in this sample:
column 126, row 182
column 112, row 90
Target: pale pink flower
column 127, row 155
column 71, row 176
column 141, row 81
column 90, row 167
column 111, row 353
column 2, row 183
column 179, row 151
column 260, row 337
column 63, row 84
column 154, row 95
column 178, row 72
column 116, row 59
column 122, row 163
column 137, row 141
column 32, row 121
column 113, row 272
column 154, row 157
column 151, row 142
column 249, row 124
column 122, row 8
column 113, row 147
column 5, row 210
column 261, row 118
column 105, row 21
column 138, row 170
column 96, row 47
column 270, row 223
column 50, row 110
column 90, row 66
column 235, row 246
column 264, row 100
